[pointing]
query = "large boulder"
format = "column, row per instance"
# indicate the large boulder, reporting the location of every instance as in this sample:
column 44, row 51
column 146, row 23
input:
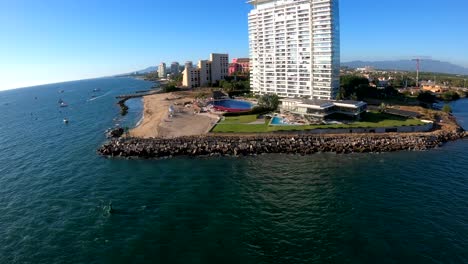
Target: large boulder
column 116, row 133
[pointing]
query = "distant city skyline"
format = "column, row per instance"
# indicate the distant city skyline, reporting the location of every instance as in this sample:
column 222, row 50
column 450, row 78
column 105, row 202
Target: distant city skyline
column 53, row 41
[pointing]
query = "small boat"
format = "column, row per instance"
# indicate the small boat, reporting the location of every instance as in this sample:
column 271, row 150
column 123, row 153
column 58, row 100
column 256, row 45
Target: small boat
column 65, row 121
column 96, row 90
column 63, row 104
column 61, row 91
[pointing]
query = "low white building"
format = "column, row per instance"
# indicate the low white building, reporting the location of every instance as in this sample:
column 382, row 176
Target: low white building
column 321, row 109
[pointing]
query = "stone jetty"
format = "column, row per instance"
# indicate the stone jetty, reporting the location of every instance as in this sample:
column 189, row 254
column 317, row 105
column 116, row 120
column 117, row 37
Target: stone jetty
column 242, row 145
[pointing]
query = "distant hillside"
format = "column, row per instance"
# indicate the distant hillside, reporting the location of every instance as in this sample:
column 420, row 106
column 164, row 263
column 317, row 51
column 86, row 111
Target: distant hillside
column 148, row 70
column 408, row 65
column 145, row 71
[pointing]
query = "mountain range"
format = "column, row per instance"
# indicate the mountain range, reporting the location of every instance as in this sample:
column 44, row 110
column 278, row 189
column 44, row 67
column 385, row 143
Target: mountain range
column 408, row 65
column 401, row 65
column 148, row 70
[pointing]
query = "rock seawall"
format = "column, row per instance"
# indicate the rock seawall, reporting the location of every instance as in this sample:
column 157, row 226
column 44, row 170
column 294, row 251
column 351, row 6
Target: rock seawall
column 213, row 145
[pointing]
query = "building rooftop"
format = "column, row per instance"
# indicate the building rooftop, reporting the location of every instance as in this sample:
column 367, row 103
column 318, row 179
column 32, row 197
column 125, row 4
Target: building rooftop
column 255, row 2
column 350, row 102
column 317, row 103
column 240, row 60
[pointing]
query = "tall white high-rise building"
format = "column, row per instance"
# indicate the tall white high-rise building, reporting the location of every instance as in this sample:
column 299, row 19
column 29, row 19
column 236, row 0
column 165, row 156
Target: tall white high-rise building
column 295, row 48
column 219, row 66
column 162, row 70
column 175, row 68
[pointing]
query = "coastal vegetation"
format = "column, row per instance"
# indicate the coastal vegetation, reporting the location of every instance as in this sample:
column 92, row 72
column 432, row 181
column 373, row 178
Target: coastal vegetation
column 427, row 97
column 358, row 88
column 170, row 87
column 450, row 96
column 402, row 79
column 269, row 101
column 235, row 85
column 152, row 76
column 447, row 109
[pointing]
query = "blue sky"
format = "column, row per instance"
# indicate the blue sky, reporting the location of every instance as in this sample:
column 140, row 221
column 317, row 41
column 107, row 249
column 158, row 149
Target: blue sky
column 58, row 40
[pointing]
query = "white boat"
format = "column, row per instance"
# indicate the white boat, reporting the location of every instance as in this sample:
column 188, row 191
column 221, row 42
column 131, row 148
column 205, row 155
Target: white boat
column 65, row 121
column 63, row 104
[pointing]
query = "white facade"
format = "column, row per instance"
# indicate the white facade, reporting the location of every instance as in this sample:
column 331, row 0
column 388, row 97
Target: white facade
column 191, row 77
column 162, row 70
column 322, row 108
column 207, row 71
column 294, row 48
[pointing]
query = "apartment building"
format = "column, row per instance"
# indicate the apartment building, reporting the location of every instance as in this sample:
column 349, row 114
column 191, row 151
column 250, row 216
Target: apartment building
column 295, row 48
column 239, row 66
column 175, row 68
column 207, row 72
column 219, row 66
column 162, row 70
column 191, row 76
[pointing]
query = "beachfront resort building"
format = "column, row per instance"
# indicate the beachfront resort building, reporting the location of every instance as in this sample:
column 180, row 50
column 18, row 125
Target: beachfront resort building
column 207, row 72
column 191, row 77
column 175, row 68
column 295, row 48
column 240, row 66
column 322, row 109
column 162, row 70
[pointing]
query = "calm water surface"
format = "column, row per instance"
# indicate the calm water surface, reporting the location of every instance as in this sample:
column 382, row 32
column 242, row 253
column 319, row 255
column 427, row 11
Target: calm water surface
column 406, row 207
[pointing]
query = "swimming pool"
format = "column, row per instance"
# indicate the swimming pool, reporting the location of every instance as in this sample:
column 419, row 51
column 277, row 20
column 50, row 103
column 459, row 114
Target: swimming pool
column 278, row 121
column 230, row 105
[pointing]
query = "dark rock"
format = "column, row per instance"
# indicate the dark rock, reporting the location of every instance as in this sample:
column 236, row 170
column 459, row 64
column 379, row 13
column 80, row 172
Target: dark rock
column 253, row 145
column 115, row 133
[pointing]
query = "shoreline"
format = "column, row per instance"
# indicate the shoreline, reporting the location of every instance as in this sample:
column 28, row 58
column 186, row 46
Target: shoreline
column 170, row 126
column 169, row 115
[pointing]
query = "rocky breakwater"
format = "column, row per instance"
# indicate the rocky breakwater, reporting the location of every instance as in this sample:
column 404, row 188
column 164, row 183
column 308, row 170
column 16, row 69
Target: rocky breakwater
column 213, row 145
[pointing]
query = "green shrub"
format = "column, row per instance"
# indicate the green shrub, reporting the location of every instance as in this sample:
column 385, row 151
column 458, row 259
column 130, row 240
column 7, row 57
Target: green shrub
column 450, row 96
column 447, row 109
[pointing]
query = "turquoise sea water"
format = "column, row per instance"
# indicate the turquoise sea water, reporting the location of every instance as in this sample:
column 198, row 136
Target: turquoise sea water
column 406, row 207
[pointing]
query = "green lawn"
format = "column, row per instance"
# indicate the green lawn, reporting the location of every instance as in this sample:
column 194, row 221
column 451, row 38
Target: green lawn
column 239, row 119
column 370, row 120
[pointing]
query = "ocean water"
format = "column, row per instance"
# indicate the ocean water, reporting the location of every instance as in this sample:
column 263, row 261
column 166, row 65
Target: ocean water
column 406, row 207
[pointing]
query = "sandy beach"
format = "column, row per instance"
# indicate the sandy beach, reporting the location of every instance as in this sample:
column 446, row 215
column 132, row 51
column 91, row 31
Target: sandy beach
column 184, row 122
